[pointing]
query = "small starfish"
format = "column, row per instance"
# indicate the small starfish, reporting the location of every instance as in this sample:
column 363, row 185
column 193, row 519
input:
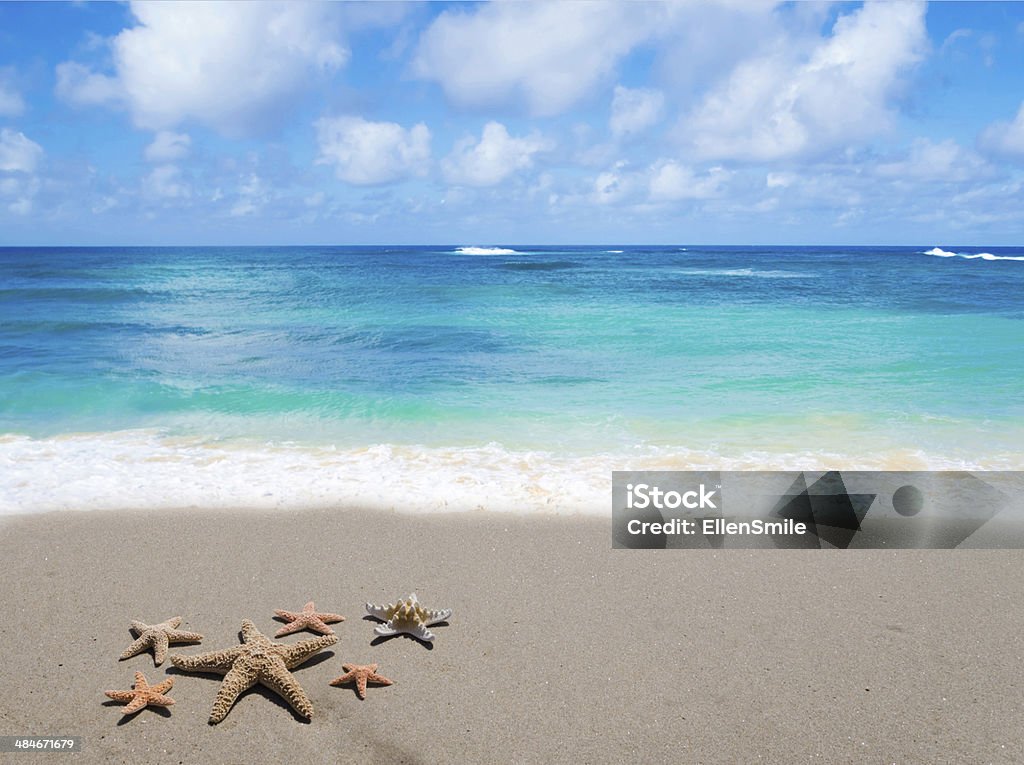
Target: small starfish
column 257, row 660
column 361, row 673
column 144, row 695
column 158, row 637
column 407, row 616
column 308, row 618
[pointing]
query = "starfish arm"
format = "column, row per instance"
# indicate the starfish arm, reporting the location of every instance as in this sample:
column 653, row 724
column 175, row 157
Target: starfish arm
column 379, row 612
column 385, row 630
column 140, row 645
column 287, row 615
column 123, row 696
column 139, row 627
column 140, row 682
column 331, row 618
column 239, row 679
column 295, row 625
column 172, row 623
column 296, row 654
column 181, row 636
column 159, row 700
column 135, row 704
column 317, row 625
column 162, row 688
column 373, row 677
column 286, row 686
column 160, row 643
column 348, row 677
column 214, row 661
column 252, row 635
column 437, row 615
column 420, row 631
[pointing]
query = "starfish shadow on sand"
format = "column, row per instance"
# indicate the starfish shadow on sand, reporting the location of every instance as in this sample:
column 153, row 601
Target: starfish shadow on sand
column 125, row 719
column 379, row 639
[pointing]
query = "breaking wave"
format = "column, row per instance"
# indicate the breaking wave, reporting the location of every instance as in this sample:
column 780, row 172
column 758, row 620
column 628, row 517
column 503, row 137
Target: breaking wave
column 940, row 253
column 746, row 272
column 148, row 470
column 485, row 251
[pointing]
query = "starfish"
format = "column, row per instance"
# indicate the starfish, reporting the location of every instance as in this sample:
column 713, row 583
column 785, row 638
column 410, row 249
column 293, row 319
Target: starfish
column 407, row 616
column 308, row 618
column 257, row 660
column 361, row 673
column 144, row 695
column 157, row 637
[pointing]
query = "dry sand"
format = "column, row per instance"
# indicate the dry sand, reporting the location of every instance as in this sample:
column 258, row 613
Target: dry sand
column 560, row 648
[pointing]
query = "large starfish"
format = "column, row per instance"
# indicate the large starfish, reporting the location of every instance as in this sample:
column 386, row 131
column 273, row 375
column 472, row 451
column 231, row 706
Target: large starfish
column 407, row 616
column 257, row 660
column 158, row 637
column 361, row 674
column 144, row 695
column 308, row 618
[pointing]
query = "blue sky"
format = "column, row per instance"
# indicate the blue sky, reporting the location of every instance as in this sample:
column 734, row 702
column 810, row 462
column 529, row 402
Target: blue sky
column 740, row 121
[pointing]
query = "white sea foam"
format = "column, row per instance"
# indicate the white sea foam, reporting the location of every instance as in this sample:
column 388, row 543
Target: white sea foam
column 614, row 252
column 939, row 252
column 485, row 251
column 133, row 470
column 746, row 272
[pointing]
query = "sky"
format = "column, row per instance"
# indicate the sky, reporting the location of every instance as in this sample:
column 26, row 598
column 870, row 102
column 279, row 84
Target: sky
column 728, row 122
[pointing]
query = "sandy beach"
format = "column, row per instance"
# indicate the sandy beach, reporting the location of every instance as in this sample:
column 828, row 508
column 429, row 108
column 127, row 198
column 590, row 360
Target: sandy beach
column 560, row 649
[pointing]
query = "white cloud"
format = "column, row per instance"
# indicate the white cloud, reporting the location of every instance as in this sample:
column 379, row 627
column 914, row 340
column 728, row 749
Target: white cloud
column 665, row 180
column 77, row 84
column 168, row 146
column 1005, row 138
column 945, row 161
column 367, row 153
column 104, row 204
column 671, row 182
column 18, row 154
column 779, row 180
column 788, row 102
column 11, row 102
column 165, row 182
column 21, row 190
column 614, row 185
column 253, row 194
column 635, row 109
column 547, row 56
column 21, row 206
column 230, row 66
column 493, row 158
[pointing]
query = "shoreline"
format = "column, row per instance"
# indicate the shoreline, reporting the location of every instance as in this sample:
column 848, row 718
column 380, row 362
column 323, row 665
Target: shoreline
column 560, row 648
column 124, row 470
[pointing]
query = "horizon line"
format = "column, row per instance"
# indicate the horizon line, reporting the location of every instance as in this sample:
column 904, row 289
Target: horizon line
column 510, row 244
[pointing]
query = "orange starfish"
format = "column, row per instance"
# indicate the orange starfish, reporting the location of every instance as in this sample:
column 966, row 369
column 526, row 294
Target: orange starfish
column 309, row 618
column 361, row 674
column 144, row 695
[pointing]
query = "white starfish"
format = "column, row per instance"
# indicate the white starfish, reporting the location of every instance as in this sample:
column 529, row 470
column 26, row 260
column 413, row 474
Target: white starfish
column 407, row 616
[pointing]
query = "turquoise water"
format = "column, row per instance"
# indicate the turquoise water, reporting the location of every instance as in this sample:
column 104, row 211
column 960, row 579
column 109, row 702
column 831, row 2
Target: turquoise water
column 880, row 356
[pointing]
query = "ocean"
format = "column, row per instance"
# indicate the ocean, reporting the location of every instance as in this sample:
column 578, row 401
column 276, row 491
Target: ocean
column 506, row 378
